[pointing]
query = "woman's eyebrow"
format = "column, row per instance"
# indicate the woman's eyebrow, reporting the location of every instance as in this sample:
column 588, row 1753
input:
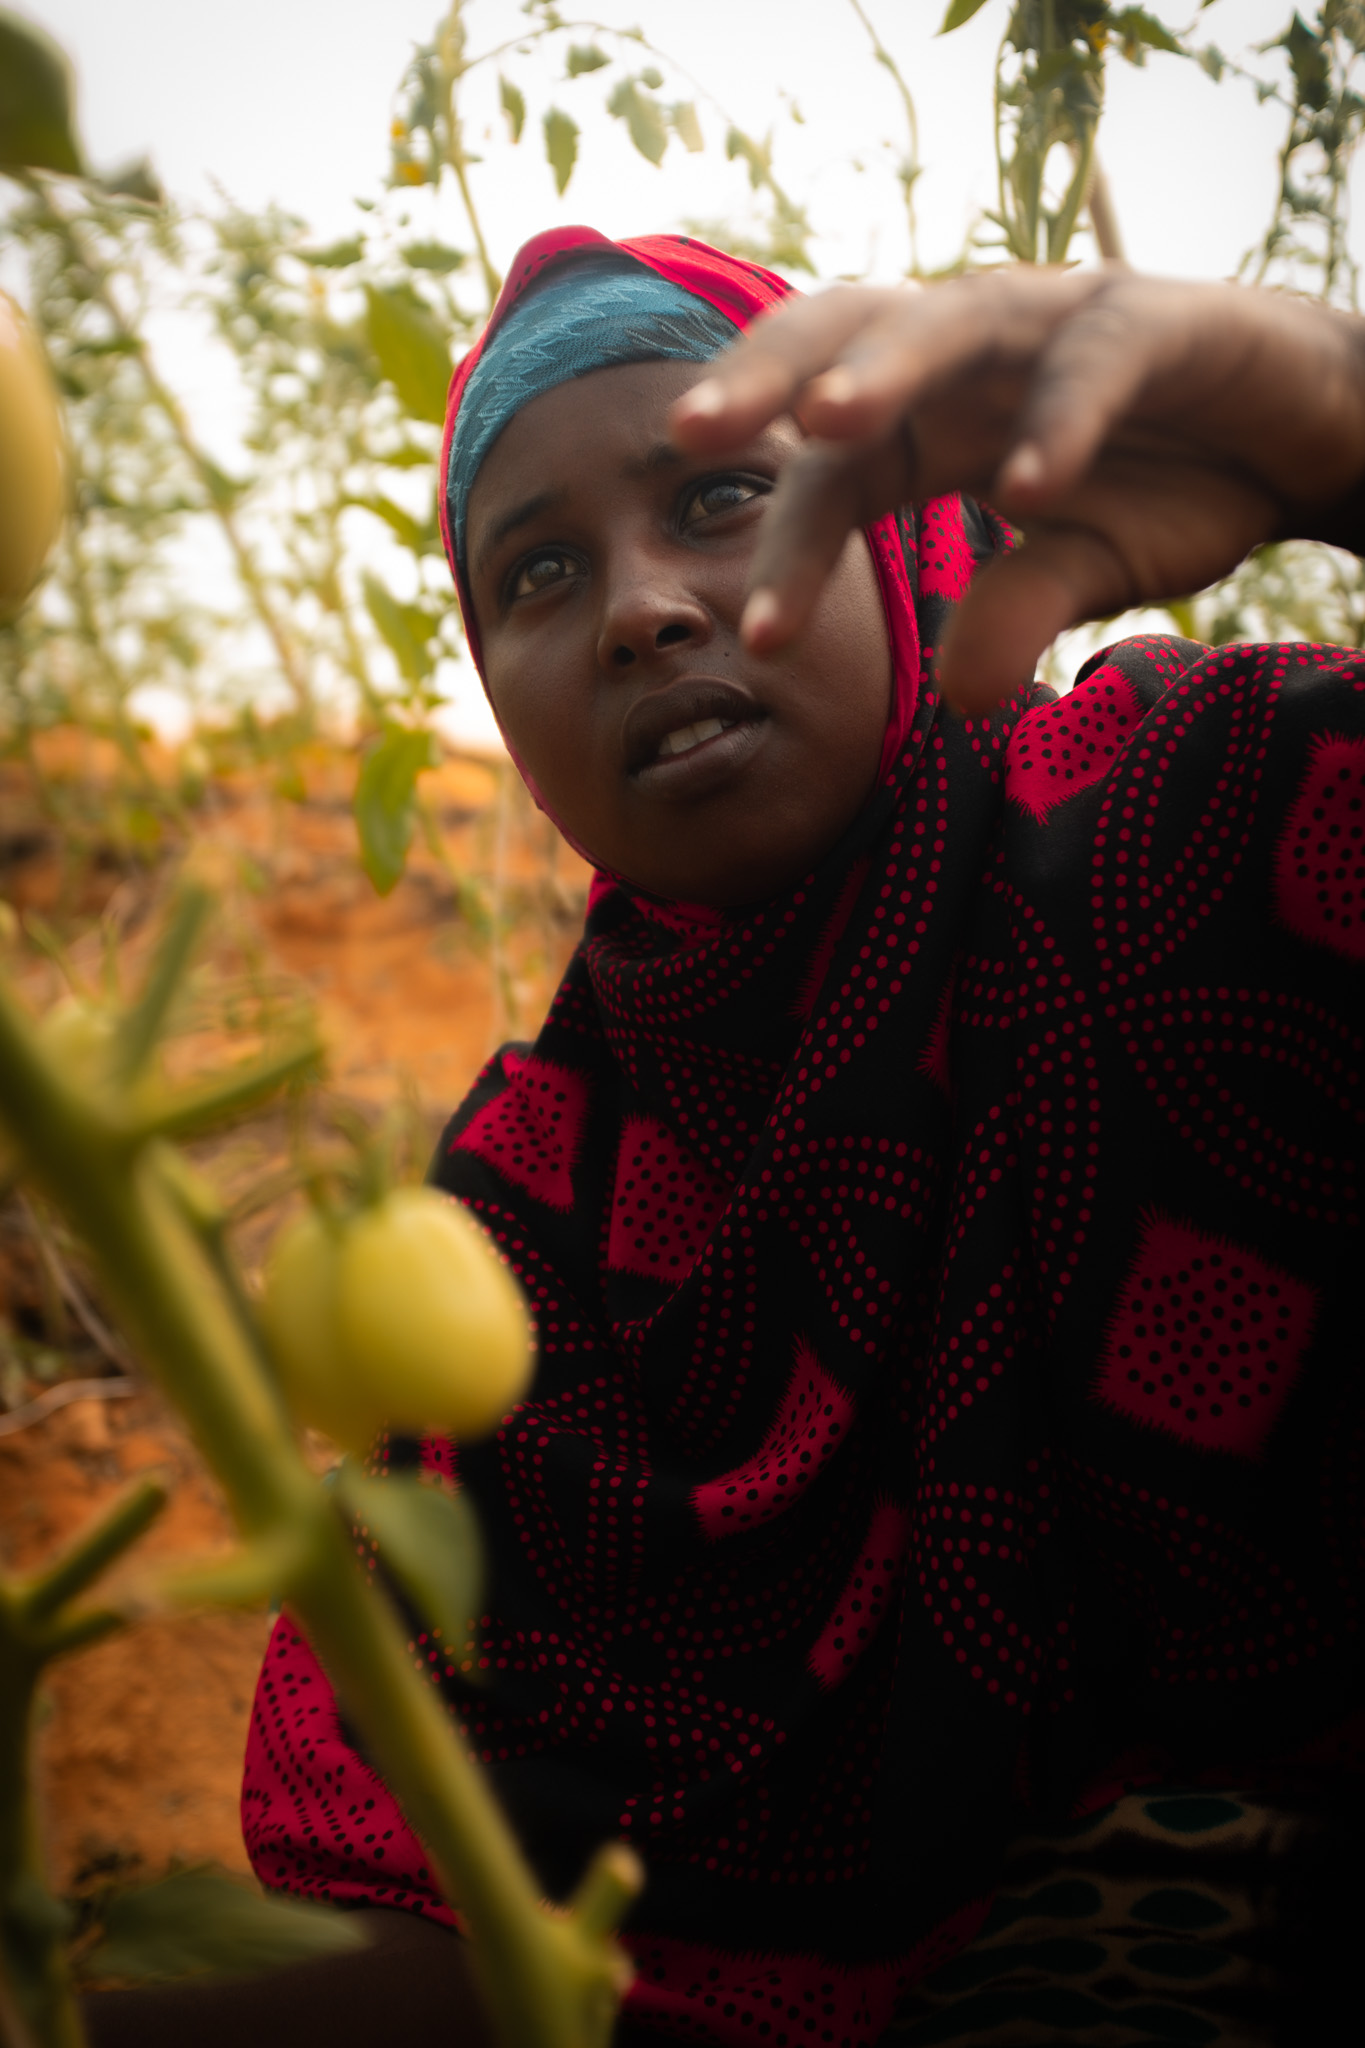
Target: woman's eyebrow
column 519, row 515
column 663, row 455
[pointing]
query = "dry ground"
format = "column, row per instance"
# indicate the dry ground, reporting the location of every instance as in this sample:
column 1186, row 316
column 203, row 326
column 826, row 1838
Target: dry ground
column 141, row 1748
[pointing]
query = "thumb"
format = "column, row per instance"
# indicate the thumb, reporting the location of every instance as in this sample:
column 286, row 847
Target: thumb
column 1018, row 605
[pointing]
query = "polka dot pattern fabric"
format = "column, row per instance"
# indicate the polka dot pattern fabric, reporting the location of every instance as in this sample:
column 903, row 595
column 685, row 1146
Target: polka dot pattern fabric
column 870, row 1586
column 1207, row 1340
column 833, row 1521
column 1073, row 742
column 812, row 1416
column 801, row 1544
column 533, row 1131
column 664, row 1207
column 1320, row 859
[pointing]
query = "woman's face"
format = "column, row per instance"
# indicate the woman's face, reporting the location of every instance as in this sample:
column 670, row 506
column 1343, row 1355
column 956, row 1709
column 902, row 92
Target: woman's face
column 608, row 577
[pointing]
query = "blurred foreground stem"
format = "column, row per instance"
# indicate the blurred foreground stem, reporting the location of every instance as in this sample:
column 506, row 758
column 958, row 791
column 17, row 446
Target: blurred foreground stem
column 38, row 1623
column 550, row 1979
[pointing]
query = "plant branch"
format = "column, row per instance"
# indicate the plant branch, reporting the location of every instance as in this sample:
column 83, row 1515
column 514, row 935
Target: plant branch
column 911, row 170
column 92, row 1553
column 550, row 1980
column 61, row 1396
column 206, row 471
column 1104, row 220
column 144, row 1024
column 191, row 1111
column 450, row 42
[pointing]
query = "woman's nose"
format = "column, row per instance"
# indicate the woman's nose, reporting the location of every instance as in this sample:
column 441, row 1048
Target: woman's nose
column 647, row 611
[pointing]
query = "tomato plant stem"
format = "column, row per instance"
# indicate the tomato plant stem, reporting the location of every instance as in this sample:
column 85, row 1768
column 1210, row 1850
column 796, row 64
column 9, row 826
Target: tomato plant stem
column 36, row 2005
column 551, row 1980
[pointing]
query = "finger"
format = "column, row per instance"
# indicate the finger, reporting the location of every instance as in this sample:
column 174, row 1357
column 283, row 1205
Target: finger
column 824, row 493
column 918, row 343
column 1089, row 375
column 1018, row 605
column 759, row 378
column 850, row 361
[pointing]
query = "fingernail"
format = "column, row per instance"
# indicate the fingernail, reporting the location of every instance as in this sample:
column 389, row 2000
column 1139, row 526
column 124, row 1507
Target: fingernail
column 704, row 400
column 761, row 617
column 1024, row 469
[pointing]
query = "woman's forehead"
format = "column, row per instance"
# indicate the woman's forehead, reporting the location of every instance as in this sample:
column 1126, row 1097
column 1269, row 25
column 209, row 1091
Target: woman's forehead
column 602, row 425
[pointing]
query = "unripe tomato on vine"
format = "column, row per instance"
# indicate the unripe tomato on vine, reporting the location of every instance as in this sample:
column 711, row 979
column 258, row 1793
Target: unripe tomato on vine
column 399, row 1314
column 79, row 1037
column 31, row 483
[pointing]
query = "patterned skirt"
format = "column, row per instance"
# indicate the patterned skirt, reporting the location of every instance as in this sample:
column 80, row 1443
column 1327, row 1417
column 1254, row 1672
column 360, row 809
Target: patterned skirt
column 1222, row 1919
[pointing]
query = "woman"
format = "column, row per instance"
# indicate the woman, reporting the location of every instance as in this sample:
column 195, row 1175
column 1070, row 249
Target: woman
column 935, row 1176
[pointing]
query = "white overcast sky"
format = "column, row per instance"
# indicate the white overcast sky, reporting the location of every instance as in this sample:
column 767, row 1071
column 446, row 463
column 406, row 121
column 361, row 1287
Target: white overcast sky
column 290, row 101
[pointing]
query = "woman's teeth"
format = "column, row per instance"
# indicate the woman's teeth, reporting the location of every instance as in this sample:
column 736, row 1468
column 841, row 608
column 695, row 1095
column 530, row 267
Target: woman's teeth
column 688, row 736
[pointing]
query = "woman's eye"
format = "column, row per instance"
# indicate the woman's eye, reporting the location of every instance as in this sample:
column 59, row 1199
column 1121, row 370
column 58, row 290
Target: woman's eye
column 538, row 572
column 720, row 494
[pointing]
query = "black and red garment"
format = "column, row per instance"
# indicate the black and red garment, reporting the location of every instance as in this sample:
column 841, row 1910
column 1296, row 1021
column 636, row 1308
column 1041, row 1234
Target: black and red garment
column 947, row 1281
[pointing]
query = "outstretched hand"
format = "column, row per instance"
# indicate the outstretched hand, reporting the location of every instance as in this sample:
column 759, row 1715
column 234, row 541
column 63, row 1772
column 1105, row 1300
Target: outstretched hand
column 1143, row 434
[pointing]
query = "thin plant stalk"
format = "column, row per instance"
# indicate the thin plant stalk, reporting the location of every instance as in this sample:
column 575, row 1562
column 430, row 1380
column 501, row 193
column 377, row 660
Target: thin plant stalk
column 549, row 1980
column 209, row 477
column 911, row 169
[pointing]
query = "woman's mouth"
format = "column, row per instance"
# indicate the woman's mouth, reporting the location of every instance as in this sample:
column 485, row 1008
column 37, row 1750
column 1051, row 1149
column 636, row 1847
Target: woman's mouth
column 688, row 736
column 694, row 761
column 691, row 738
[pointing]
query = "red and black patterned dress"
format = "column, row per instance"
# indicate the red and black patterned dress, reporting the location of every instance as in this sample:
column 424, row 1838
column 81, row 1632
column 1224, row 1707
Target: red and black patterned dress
column 947, row 1276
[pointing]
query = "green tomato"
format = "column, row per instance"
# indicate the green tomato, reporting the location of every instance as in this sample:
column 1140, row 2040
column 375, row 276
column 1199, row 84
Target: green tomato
column 400, row 1315
column 299, row 1311
column 31, row 482
column 431, row 1319
column 78, row 1036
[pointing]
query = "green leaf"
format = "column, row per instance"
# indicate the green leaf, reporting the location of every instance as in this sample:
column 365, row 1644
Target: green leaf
column 513, row 105
column 958, row 12
column 1134, row 25
column 414, row 533
column 203, row 1923
column 686, row 126
column 223, row 489
column 651, row 77
column 410, row 348
column 336, row 255
column 644, row 120
column 437, row 257
column 37, row 123
column 1180, row 610
column 1308, row 62
column 383, row 805
column 134, row 180
column 428, row 1543
column 561, row 146
column 406, row 457
column 738, row 144
column 405, row 628
column 585, row 57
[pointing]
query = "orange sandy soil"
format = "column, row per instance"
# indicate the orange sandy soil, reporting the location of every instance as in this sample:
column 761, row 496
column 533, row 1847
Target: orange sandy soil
column 141, row 1748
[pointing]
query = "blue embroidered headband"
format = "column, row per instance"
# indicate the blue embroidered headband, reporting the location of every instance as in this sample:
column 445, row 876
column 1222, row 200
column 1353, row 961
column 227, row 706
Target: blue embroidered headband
column 595, row 314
